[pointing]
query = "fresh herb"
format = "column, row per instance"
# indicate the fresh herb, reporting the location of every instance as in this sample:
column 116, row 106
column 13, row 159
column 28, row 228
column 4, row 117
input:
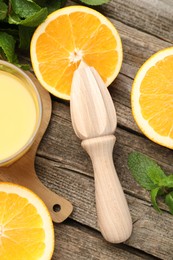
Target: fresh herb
column 151, row 177
column 95, row 2
column 18, row 20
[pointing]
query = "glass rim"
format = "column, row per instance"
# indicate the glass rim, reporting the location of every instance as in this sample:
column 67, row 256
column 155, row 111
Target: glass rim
column 40, row 111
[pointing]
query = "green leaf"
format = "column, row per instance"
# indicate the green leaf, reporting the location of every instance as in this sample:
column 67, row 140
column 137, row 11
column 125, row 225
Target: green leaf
column 155, row 173
column 35, row 19
column 154, row 193
column 31, row 21
column 11, row 31
column 169, row 201
column 95, row 2
column 13, row 18
column 7, row 46
column 25, row 8
column 139, row 165
column 23, row 66
column 167, row 182
column 3, row 10
column 25, row 37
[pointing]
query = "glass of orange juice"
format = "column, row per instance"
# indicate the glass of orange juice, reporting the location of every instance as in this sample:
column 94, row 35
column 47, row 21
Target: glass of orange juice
column 20, row 113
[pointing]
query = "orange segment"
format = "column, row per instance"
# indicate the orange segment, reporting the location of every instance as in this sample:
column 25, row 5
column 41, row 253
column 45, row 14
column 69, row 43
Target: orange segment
column 45, row 41
column 102, row 40
column 83, row 25
column 152, row 98
column 12, row 250
column 109, row 60
column 66, row 77
column 26, row 230
column 67, row 37
column 60, row 30
column 10, row 210
column 53, row 71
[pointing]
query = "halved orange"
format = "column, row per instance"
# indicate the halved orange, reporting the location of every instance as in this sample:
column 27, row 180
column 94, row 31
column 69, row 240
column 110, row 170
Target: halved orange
column 69, row 35
column 152, row 98
column 26, row 229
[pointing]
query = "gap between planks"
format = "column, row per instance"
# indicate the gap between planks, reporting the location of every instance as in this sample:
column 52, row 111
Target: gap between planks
column 77, row 241
column 152, row 233
column 146, row 16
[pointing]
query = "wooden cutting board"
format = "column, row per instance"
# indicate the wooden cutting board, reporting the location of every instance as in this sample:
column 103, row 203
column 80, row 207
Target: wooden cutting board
column 23, row 170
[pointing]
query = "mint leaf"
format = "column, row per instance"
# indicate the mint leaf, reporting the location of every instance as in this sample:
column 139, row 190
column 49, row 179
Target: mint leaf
column 35, row 19
column 139, row 165
column 150, row 176
column 25, row 8
column 3, row 10
column 154, row 194
column 167, row 182
column 25, row 37
column 14, row 18
column 95, row 2
column 169, row 201
column 24, row 66
column 31, row 21
column 155, row 173
column 11, row 31
column 7, row 46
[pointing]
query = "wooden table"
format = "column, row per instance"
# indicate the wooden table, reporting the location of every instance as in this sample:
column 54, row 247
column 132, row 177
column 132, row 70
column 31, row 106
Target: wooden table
column 145, row 27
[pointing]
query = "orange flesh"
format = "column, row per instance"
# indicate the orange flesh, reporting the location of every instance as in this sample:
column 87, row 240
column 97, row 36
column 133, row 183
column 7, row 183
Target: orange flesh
column 21, row 229
column 67, row 35
column 156, row 97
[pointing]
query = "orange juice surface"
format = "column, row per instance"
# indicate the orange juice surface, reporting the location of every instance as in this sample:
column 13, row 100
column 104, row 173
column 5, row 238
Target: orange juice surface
column 18, row 115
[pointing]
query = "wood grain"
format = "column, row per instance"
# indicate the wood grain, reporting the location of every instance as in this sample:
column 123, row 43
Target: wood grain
column 61, row 144
column 154, row 17
column 114, row 219
column 71, row 164
column 77, row 242
column 152, row 232
column 95, row 125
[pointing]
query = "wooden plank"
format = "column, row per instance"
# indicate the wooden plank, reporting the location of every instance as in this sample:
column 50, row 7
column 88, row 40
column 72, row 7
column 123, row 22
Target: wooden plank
column 137, row 47
column 152, row 232
column 77, row 242
column 154, row 17
column 62, row 145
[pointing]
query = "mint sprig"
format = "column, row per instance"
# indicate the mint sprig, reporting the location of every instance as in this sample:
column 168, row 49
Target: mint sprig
column 18, row 20
column 151, row 177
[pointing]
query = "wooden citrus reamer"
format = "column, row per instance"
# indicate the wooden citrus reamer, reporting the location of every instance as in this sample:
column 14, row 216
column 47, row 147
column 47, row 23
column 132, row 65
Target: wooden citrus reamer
column 94, row 121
